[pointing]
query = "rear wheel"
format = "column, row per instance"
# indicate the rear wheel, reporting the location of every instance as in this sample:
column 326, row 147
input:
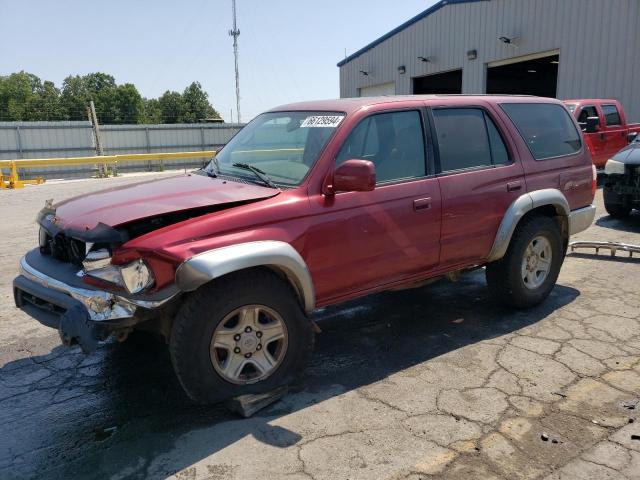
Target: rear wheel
column 525, row 276
column 245, row 333
column 614, row 204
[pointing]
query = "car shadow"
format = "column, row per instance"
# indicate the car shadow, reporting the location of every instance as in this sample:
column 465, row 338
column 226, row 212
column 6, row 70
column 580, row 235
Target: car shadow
column 629, row 224
column 121, row 411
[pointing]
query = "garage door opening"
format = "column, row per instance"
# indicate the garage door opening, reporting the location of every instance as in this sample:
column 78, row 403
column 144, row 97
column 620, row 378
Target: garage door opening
column 537, row 76
column 446, row 82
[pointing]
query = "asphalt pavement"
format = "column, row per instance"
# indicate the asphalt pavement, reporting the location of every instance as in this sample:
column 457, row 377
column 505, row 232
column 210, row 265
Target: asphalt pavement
column 437, row 381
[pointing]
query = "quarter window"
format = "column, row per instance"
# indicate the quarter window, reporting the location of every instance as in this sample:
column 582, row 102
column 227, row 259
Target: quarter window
column 468, row 138
column 611, row 115
column 393, row 141
column 547, row 128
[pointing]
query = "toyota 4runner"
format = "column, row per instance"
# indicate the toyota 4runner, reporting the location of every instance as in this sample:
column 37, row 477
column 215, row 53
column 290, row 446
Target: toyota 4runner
column 309, row 205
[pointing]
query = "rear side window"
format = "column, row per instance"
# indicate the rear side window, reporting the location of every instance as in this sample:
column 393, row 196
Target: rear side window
column 468, row 138
column 547, row 129
column 611, row 115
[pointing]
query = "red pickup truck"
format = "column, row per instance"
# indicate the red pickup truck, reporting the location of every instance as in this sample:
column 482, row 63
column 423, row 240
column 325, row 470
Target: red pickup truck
column 605, row 127
column 309, row 205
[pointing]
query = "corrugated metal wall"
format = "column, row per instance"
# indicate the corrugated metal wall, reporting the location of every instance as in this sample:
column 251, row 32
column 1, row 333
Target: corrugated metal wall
column 75, row 139
column 598, row 40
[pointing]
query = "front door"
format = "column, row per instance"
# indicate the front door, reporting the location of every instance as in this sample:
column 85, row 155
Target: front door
column 364, row 240
column 478, row 181
column 595, row 140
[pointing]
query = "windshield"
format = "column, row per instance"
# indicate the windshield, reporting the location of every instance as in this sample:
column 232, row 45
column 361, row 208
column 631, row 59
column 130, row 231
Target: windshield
column 282, row 145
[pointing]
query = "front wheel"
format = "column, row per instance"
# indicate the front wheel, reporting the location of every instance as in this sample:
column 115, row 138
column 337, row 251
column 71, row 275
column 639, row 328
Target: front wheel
column 527, row 273
column 245, row 333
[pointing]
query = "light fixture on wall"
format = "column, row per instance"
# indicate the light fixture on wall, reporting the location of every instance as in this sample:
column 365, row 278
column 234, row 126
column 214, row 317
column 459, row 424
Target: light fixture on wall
column 402, row 70
column 510, row 40
column 472, row 54
column 425, row 59
column 364, row 73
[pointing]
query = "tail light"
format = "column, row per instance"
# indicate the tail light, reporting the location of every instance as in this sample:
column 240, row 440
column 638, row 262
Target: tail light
column 594, row 180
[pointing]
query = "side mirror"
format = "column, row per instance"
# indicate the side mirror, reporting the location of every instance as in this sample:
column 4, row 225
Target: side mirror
column 353, row 176
column 631, row 136
column 593, row 124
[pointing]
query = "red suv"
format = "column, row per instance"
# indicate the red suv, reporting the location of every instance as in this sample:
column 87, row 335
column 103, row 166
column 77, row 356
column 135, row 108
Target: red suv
column 309, row 205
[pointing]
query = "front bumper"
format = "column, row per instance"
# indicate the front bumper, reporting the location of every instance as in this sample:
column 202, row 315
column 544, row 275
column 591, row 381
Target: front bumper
column 83, row 315
column 581, row 219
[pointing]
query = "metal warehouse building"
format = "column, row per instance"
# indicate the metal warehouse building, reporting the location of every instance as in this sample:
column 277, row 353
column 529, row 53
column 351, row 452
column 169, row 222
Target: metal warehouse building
column 554, row 48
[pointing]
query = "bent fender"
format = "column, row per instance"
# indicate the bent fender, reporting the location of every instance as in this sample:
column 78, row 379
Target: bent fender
column 204, row 267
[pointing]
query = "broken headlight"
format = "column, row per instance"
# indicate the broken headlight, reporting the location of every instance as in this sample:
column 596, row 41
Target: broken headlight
column 135, row 276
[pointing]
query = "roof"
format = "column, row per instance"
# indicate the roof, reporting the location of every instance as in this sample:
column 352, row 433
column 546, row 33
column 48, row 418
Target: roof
column 349, row 105
column 434, row 8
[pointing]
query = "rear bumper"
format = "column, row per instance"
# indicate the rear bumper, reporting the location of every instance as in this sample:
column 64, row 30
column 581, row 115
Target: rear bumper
column 581, row 219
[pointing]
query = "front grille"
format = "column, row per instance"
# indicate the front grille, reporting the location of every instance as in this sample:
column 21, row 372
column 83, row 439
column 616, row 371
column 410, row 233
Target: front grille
column 64, row 248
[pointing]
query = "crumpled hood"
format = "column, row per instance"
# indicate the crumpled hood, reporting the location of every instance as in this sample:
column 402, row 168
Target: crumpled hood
column 121, row 205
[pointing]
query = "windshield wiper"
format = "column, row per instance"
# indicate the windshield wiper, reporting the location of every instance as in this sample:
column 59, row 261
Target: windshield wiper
column 258, row 173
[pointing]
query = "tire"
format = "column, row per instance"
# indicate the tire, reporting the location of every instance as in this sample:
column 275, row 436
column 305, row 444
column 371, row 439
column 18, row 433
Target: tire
column 505, row 277
column 208, row 310
column 614, row 204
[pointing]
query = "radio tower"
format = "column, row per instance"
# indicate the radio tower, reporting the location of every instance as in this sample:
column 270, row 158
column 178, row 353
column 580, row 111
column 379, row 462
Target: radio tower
column 235, row 33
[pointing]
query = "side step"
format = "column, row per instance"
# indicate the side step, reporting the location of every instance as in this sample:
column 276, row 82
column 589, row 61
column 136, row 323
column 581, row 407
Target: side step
column 612, row 246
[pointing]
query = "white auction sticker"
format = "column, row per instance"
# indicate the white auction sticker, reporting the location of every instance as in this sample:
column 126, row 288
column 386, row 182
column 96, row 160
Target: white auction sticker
column 329, row 121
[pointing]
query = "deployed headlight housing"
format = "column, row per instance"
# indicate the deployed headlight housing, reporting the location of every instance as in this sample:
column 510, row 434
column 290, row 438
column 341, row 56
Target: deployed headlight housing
column 613, row 167
column 135, row 276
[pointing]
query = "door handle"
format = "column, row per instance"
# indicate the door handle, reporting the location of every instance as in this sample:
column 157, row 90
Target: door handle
column 602, row 136
column 513, row 186
column 422, row 204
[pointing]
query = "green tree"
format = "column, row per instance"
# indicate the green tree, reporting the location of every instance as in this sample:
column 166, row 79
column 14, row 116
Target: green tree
column 172, row 107
column 127, row 104
column 152, row 110
column 24, row 96
column 17, row 92
column 46, row 104
column 196, row 103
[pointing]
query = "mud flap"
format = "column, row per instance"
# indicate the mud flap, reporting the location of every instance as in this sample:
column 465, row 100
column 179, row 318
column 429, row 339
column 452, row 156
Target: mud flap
column 75, row 327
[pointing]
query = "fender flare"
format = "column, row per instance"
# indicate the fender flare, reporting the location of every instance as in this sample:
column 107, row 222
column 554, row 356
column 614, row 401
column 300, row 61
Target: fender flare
column 281, row 256
column 518, row 209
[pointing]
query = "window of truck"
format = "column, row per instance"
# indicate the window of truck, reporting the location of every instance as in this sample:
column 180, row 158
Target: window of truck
column 586, row 112
column 611, row 115
column 283, row 145
column 546, row 128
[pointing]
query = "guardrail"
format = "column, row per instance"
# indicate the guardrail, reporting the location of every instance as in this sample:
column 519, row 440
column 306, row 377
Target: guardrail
column 13, row 180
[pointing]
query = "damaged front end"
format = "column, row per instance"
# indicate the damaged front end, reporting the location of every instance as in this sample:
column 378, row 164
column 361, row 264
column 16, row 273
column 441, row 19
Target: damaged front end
column 70, row 283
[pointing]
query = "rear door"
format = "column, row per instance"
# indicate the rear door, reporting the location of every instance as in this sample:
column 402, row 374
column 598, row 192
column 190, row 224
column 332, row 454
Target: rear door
column 363, row 240
column 614, row 132
column 479, row 178
column 551, row 150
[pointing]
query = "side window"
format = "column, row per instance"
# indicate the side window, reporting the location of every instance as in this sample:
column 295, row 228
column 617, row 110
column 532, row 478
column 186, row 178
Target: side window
column 467, row 138
column 611, row 115
column 393, row 141
column 547, row 128
column 499, row 152
column 586, row 112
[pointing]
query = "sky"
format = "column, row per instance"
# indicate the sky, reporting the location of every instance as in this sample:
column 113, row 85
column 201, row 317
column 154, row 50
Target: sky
column 288, row 48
